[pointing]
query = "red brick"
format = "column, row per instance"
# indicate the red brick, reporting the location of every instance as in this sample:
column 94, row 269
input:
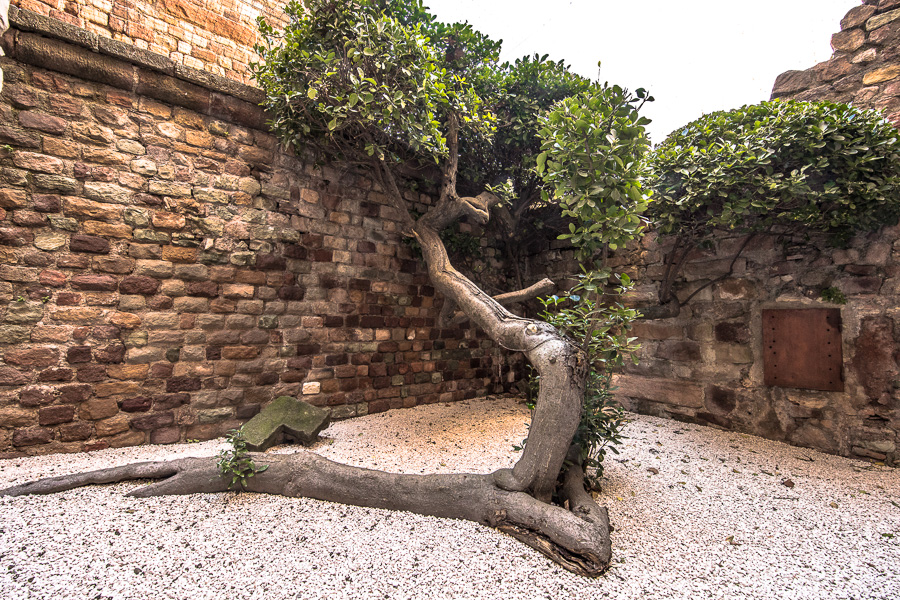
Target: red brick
column 31, row 437
column 42, row 122
column 88, row 243
column 54, row 415
column 32, row 357
column 153, row 421
column 139, row 285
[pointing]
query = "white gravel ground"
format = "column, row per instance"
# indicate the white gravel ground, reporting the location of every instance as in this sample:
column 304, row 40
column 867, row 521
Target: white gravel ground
column 715, row 521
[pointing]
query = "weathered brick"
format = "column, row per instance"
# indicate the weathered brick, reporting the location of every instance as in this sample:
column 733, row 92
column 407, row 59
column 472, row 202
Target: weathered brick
column 153, row 421
column 170, row 401
column 139, row 285
column 54, row 374
column 36, row 396
column 91, row 373
column 168, row 220
column 31, row 436
column 75, row 394
column 240, row 352
column 75, row 432
column 10, row 376
column 55, row 415
column 108, row 192
column 113, row 230
column 42, row 122
column 42, row 163
column 125, row 320
column 238, row 291
column 32, row 357
column 46, row 203
column 111, row 426
column 98, row 283
column 113, row 353
column 177, row 254
column 182, row 384
column 119, row 265
column 78, row 354
column 137, row 404
column 159, row 269
column 15, row 237
column 88, row 243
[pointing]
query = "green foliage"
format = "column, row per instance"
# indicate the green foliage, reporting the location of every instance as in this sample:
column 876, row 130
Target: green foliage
column 235, row 463
column 600, row 429
column 593, row 144
column 833, row 295
column 379, row 76
column 519, row 93
column 593, row 314
column 779, row 166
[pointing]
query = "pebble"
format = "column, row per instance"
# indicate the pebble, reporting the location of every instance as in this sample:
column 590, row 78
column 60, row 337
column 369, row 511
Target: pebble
column 698, row 513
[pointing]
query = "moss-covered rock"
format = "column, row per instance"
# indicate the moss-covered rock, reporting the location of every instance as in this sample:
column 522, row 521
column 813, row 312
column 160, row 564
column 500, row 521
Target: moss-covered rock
column 285, row 419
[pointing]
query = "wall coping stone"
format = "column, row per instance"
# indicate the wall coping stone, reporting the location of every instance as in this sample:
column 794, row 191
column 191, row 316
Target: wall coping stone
column 28, row 21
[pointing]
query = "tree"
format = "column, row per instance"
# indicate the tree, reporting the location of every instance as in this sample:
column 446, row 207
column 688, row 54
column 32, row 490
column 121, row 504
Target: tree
column 783, row 167
column 381, row 85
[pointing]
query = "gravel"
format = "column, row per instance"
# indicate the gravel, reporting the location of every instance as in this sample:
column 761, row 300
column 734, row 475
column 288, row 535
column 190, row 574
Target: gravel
column 698, row 513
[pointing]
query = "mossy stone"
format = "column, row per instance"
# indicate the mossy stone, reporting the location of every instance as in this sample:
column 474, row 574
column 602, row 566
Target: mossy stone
column 285, row 419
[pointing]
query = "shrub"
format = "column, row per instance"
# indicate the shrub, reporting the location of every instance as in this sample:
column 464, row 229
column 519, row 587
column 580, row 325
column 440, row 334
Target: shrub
column 781, row 167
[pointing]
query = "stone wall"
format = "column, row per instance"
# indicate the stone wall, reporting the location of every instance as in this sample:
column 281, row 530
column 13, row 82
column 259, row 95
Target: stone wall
column 210, row 35
column 865, row 67
column 708, row 364
column 166, row 269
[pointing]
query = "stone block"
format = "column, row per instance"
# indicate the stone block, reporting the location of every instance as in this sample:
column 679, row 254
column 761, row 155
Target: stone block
column 98, row 408
column 882, row 19
column 55, row 415
column 31, row 436
column 848, row 41
column 665, row 391
column 153, row 421
column 857, row 16
column 285, row 418
column 32, row 357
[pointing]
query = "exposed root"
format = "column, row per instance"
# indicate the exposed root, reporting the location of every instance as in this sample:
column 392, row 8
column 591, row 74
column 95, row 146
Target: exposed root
column 577, row 543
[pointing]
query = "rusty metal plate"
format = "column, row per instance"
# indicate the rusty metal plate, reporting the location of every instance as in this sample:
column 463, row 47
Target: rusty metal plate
column 802, row 349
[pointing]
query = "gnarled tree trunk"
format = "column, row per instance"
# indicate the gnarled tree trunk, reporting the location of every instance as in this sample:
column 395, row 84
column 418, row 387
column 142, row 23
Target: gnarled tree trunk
column 516, row 501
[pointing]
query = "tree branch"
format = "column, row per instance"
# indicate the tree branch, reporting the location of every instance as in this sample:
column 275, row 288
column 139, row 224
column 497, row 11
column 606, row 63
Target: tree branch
column 542, row 287
column 722, row 276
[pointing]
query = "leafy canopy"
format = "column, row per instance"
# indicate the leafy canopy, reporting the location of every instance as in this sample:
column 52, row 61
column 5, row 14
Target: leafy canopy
column 593, row 145
column 376, row 75
column 779, row 166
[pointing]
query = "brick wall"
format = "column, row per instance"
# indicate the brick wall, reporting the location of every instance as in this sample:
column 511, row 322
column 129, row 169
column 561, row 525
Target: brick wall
column 211, row 35
column 165, row 269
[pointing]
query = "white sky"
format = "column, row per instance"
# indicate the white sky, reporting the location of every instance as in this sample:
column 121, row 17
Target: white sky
column 694, row 56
